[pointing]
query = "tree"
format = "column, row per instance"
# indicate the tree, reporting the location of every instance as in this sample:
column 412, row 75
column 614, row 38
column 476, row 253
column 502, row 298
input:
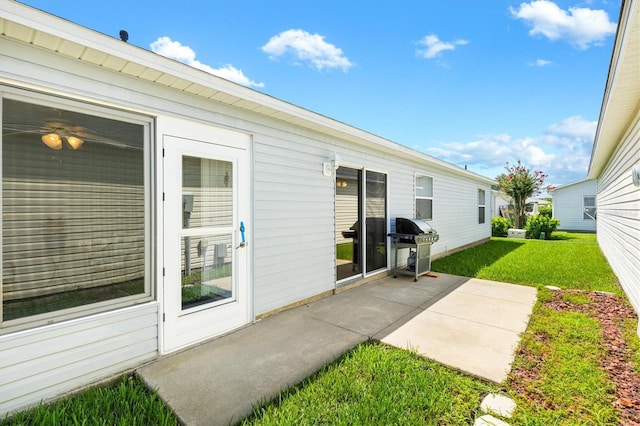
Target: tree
column 520, row 183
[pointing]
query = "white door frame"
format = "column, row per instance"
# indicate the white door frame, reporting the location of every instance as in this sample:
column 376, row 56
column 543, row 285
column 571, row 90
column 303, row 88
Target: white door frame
column 178, row 328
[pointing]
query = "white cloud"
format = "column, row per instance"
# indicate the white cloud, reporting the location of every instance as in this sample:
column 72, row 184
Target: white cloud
column 563, row 151
column 307, row 48
column 579, row 26
column 575, row 127
column 540, row 63
column 432, row 46
column 175, row 50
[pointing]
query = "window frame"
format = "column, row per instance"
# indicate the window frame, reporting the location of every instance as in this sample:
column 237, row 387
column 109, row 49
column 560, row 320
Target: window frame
column 482, row 211
column 421, row 197
column 112, row 113
column 585, row 207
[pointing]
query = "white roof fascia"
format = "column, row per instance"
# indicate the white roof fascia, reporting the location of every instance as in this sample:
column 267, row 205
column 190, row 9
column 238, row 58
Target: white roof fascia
column 144, row 64
column 622, row 90
column 566, row 185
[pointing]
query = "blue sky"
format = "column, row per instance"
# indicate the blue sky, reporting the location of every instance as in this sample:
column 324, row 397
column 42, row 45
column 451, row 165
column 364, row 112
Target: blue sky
column 472, row 82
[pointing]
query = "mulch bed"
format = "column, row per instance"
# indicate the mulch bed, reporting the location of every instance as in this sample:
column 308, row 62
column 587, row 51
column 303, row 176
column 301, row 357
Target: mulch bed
column 611, row 311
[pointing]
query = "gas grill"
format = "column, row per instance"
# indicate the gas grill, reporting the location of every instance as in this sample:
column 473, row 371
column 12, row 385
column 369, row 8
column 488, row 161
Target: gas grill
column 418, row 236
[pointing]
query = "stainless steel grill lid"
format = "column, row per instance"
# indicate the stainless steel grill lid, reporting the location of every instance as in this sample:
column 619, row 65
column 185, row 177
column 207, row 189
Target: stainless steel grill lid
column 412, row 226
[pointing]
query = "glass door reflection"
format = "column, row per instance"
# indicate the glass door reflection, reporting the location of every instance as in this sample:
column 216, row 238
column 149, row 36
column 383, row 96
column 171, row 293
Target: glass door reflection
column 207, row 232
column 348, row 212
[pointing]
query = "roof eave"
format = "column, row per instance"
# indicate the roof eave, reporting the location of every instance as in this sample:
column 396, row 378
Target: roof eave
column 621, row 100
column 47, row 31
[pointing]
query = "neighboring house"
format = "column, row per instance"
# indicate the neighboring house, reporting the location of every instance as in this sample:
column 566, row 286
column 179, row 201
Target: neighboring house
column 148, row 206
column 503, row 205
column 574, row 204
column 615, row 159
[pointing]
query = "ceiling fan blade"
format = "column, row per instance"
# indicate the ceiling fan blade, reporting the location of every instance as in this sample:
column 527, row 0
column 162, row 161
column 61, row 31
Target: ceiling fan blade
column 22, row 128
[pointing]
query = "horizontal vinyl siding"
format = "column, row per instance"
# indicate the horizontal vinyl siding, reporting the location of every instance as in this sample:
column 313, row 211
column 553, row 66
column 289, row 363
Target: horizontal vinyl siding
column 568, row 206
column 44, row 363
column 618, row 204
column 294, row 251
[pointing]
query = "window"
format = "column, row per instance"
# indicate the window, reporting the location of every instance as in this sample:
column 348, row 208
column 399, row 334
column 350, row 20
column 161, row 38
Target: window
column 589, row 207
column 424, row 197
column 75, row 211
column 481, row 205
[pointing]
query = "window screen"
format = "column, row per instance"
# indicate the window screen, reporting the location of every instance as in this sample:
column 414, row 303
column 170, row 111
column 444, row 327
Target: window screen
column 589, row 208
column 481, row 205
column 424, row 197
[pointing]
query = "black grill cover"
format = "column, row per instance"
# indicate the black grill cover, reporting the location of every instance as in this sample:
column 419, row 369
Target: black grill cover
column 412, row 226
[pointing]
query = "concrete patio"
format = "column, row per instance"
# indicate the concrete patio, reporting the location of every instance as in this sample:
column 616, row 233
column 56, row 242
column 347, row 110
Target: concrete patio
column 469, row 324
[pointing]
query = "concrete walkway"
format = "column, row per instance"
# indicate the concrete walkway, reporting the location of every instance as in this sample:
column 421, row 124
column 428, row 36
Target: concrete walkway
column 470, row 324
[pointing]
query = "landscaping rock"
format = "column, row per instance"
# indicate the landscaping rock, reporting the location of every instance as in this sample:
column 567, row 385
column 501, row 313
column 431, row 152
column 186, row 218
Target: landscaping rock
column 553, row 287
column 500, row 405
column 489, row 420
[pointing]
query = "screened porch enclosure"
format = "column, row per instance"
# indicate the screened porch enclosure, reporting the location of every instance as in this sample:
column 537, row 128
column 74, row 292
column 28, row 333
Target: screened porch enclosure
column 73, row 210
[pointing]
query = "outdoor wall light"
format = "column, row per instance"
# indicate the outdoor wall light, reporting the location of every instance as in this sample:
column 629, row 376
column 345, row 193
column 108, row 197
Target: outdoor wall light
column 329, row 166
column 635, row 174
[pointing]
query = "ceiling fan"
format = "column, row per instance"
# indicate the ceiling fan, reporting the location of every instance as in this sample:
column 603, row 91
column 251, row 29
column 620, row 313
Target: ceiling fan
column 55, row 131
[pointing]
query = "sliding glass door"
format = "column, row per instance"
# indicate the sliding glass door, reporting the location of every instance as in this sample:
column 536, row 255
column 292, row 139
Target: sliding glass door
column 376, row 214
column 361, row 197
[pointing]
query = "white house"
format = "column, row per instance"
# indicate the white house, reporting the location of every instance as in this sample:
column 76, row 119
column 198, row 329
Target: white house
column 615, row 159
column 148, row 206
column 574, row 204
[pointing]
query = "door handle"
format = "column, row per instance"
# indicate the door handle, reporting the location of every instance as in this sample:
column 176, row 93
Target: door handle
column 242, row 237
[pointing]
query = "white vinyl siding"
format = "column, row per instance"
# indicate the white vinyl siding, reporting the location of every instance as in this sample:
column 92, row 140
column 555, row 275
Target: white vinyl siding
column 38, row 364
column 618, row 202
column 294, row 227
column 568, row 206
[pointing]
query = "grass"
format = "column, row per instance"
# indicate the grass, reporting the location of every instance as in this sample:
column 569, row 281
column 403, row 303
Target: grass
column 375, row 384
column 566, row 348
column 568, row 261
column 344, row 251
column 125, row 402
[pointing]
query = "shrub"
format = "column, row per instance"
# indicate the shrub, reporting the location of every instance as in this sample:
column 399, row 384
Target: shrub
column 500, row 226
column 538, row 224
column 546, row 210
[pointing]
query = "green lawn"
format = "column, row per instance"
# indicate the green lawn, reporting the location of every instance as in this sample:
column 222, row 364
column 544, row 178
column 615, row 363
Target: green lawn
column 562, row 350
column 377, row 385
column 125, row 402
column 568, row 261
column 557, row 375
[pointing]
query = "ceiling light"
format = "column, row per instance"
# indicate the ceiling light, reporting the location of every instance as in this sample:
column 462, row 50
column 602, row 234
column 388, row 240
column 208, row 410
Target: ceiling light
column 52, row 140
column 74, row 142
